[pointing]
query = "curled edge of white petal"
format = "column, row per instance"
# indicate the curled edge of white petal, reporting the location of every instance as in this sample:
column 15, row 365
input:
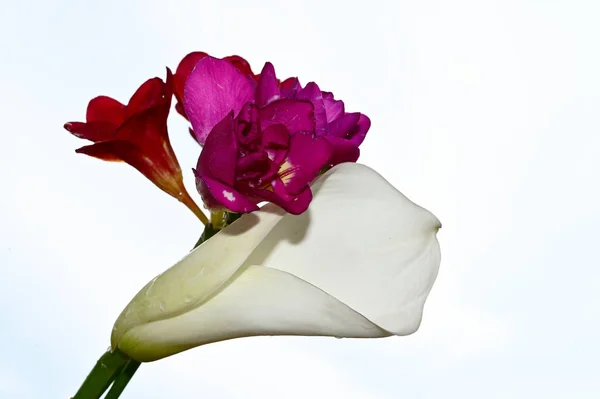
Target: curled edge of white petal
column 198, row 276
column 259, row 301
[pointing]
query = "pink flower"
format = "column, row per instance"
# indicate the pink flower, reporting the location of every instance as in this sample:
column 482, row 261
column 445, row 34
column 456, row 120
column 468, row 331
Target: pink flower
column 231, row 86
column 265, row 140
column 264, row 154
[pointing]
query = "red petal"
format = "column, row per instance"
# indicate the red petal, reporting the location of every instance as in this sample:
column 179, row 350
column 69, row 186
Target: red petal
column 101, row 151
column 151, row 93
column 242, row 65
column 163, row 174
column 179, row 109
column 93, row 131
column 182, row 72
column 105, row 109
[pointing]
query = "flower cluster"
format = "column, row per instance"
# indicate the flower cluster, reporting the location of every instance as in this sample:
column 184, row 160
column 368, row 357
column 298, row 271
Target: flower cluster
column 263, row 139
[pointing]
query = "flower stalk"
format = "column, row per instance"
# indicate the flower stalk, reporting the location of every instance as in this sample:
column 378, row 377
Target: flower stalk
column 123, row 379
column 107, row 370
column 187, row 200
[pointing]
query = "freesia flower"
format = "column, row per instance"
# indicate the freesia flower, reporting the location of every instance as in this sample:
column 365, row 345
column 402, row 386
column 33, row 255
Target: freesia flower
column 258, row 157
column 212, row 88
column 260, row 145
column 336, row 270
column 137, row 134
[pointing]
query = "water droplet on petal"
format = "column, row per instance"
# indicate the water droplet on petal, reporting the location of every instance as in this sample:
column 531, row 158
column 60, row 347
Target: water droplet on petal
column 149, row 290
column 187, row 299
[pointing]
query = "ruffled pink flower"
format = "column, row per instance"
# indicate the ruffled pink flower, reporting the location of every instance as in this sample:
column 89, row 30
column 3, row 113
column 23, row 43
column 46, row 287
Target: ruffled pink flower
column 263, row 154
column 265, row 140
column 232, row 86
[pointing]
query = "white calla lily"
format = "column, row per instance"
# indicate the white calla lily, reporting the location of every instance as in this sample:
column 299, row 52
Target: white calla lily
column 359, row 263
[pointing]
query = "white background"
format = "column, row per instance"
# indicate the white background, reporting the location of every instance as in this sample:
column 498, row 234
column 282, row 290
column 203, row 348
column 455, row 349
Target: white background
column 485, row 112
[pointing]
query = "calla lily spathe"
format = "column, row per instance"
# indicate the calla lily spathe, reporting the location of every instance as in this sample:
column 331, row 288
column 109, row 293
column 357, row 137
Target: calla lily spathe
column 358, row 263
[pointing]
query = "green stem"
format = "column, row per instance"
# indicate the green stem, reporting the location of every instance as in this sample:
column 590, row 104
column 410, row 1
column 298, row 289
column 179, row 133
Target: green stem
column 105, row 371
column 220, row 220
column 123, row 379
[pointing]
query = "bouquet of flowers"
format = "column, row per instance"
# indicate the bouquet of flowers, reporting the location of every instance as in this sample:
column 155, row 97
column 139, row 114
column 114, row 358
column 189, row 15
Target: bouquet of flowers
column 299, row 238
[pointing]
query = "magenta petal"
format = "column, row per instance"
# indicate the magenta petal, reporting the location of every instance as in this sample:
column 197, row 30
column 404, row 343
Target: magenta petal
column 248, row 128
column 358, row 133
column 276, row 141
column 291, row 204
column 225, row 196
column 294, row 114
column 305, row 159
column 268, row 88
column 289, row 88
column 212, row 90
column 342, row 150
column 313, row 94
column 252, row 166
column 343, row 127
column 276, row 136
column 333, row 108
column 219, row 155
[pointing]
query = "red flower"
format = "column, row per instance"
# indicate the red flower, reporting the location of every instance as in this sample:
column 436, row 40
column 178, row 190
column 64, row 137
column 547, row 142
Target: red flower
column 137, row 134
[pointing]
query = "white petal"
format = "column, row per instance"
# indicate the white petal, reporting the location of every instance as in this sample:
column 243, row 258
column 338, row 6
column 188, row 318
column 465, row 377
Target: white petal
column 197, row 276
column 260, row 301
column 359, row 263
column 364, row 243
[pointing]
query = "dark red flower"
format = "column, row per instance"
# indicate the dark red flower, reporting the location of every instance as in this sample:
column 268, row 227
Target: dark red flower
column 137, row 134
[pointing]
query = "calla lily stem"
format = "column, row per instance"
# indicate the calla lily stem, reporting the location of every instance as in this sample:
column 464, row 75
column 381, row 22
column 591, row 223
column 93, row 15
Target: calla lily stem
column 107, row 370
column 123, row 379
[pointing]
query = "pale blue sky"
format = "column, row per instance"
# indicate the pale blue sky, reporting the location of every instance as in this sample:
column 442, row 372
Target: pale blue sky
column 484, row 112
